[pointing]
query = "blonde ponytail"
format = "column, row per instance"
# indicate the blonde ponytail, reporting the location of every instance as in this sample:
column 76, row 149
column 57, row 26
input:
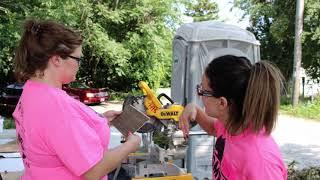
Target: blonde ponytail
column 262, row 98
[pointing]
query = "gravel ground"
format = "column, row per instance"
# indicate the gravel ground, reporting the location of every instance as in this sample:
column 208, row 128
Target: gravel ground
column 299, row 140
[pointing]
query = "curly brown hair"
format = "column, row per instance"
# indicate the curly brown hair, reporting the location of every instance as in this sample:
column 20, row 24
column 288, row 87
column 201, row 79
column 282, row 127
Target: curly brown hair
column 41, row 40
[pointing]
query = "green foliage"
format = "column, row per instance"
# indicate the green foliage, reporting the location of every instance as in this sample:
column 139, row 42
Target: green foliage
column 285, row 100
column 8, row 38
column 8, row 123
column 161, row 139
column 202, row 10
column 121, row 96
column 304, row 174
column 273, row 24
column 311, row 38
column 124, row 41
column 308, row 109
column 270, row 25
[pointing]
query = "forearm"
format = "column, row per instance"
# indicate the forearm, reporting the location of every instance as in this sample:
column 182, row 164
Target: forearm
column 206, row 122
column 111, row 160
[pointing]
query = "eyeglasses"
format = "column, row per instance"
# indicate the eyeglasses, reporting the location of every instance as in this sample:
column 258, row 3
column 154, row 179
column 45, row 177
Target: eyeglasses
column 202, row 92
column 78, row 59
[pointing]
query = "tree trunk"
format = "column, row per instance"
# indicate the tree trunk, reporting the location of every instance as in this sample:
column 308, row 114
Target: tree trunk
column 297, row 52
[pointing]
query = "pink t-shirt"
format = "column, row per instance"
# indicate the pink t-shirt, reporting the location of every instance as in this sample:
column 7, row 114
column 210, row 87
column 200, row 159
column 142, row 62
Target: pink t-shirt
column 246, row 156
column 59, row 137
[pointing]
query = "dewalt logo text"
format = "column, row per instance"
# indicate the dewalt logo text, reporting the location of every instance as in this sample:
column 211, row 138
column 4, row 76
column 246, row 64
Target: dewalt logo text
column 173, row 113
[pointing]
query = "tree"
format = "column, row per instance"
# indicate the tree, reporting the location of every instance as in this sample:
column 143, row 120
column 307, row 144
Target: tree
column 311, row 39
column 274, row 29
column 297, row 52
column 124, row 41
column 273, row 24
column 201, row 10
column 10, row 13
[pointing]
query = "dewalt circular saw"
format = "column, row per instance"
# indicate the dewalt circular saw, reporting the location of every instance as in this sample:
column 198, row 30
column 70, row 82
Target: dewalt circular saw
column 162, row 141
column 161, row 116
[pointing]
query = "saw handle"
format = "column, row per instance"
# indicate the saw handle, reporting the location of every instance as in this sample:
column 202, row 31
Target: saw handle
column 149, row 93
column 166, row 96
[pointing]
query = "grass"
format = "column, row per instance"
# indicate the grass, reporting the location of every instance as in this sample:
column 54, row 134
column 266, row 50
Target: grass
column 306, row 109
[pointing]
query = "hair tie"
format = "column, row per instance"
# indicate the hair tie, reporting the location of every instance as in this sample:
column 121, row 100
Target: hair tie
column 35, row 29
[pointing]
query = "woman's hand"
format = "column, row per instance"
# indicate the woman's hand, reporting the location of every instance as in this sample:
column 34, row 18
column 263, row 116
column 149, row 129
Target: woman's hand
column 189, row 114
column 134, row 141
column 110, row 115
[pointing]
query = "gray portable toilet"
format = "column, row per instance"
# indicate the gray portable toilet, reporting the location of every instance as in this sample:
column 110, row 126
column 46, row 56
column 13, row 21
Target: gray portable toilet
column 194, row 46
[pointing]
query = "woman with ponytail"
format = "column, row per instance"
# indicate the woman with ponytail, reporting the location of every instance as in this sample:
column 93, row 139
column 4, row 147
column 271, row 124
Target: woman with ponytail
column 59, row 137
column 241, row 104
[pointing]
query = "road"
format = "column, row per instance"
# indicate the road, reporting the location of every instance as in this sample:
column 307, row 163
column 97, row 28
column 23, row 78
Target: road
column 299, row 140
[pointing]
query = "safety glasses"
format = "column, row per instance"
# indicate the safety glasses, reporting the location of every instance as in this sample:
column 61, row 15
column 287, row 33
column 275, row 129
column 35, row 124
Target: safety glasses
column 202, row 92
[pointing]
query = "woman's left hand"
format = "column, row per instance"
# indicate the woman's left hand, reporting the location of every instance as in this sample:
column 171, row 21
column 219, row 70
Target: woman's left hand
column 110, row 115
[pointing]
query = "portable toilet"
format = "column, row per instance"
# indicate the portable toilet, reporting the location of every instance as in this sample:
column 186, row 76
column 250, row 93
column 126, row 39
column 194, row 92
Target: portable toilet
column 194, row 46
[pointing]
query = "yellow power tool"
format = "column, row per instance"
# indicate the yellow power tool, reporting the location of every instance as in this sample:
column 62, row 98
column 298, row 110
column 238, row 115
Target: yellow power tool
column 155, row 108
column 162, row 141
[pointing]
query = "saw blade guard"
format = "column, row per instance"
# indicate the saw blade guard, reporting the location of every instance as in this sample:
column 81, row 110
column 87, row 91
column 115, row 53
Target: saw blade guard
column 152, row 124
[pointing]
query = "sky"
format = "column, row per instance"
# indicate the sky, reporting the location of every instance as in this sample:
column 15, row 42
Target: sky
column 226, row 15
column 231, row 17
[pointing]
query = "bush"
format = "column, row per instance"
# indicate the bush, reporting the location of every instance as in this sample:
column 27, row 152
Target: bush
column 121, row 96
column 311, row 173
column 8, row 123
column 287, row 100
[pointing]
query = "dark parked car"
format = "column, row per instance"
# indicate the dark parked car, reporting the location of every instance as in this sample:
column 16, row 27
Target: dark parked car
column 87, row 94
column 9, row 97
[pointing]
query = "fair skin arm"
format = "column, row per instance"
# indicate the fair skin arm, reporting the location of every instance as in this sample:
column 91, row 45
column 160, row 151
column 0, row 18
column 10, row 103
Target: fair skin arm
column 193, row 113
column 206, row 122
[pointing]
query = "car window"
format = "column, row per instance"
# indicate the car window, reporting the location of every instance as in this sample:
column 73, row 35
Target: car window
column 15, row 86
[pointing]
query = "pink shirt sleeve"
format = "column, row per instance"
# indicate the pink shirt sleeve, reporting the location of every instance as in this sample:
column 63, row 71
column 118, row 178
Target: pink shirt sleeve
column 73, row 140
column 264, row 172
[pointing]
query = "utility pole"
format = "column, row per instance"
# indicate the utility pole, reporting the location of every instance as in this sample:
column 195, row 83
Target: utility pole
column 297, row 51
